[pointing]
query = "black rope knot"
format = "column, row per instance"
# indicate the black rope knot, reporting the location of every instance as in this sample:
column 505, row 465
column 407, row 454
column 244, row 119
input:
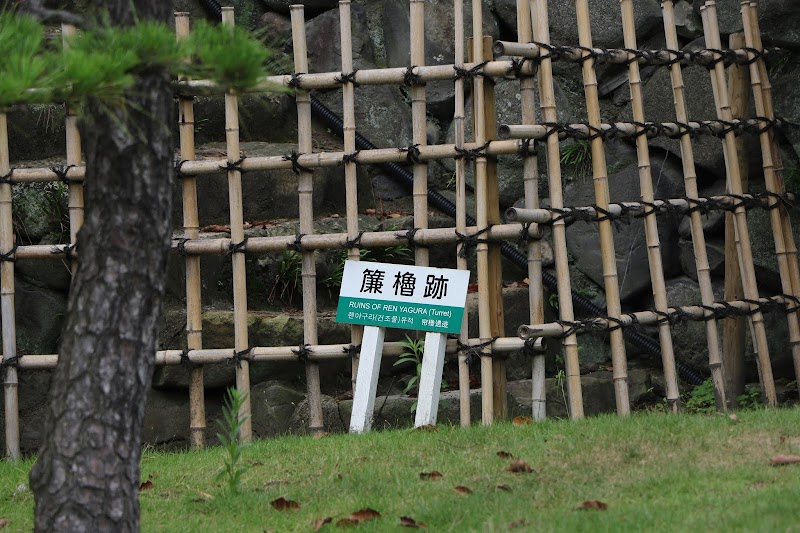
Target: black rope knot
column 297, row 245
column 61, row 172
column 302, row 352
column 10, row 362
column 474, row 154
column 517, row 66
column 529, row 347
column 350, row 158
column 355, row 242
column 347, row 78
column 233, row 165
column 6, row 178
column 294, row 157
column 470, row 74
column 182, row 246
column 410, row 79
column 185, row 361
column 238, row 357
column 413, row 154
column 474, row 352
column 353, row 351
column 9, row 256
column 179, row 168
column 67, row 250
column 237, row 247
column 296, row 80
column 467, row 241
column 524, row 148
column 410, row 237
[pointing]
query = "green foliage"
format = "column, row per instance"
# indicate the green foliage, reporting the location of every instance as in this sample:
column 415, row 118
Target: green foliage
column 101, row 63
column 413, row 349
column 791, row 178
column 287, row 280
column 229, row 55
column 386, row 254
column 228, row 438
column 701, row 398
column 578, row 155
column 25, row 65
column 39, row 209
column 750, row 399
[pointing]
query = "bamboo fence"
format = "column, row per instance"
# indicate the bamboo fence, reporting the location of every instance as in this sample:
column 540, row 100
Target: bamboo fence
column 531, row 61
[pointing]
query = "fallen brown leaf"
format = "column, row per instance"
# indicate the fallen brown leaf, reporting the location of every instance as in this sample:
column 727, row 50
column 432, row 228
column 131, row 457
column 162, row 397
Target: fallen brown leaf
column 522, row 420
column 520, row 467
column 431, row 475
column 592, row 505
column 780, row 460
column 407, row 521
column 146, row 485
column 204, row 495
column 503, row 486
column 282, row 504
column 369, row 211
column 319, row 522
column 505, row 455
column 346, row 522
column 395, row 215
column 362, row 515
column 3, row 522
column 461, row 489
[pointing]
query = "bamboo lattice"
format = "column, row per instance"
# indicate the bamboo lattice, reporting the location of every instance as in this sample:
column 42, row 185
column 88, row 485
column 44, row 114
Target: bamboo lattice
column 531, row 61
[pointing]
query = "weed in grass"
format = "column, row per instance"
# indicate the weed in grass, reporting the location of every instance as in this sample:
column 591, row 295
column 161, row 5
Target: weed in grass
column 228, row 437
column 701, row 398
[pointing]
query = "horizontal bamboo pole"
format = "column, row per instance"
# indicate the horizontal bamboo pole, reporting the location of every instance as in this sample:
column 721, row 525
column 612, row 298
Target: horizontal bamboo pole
column 632, row 129
column 377, row 76
column 324, row 352
column 509, row 146
column 693, row 312
column 323, row 241
column 663, row 57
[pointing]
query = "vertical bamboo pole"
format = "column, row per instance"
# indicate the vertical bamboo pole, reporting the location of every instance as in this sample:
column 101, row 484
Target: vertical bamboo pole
column 530, row 179
column 481, row 207
column 73, row 140
column 690, row 181
column 495, row 293
column 419, row 118
column 305, row 189
column 541, row 33
column 733, row 334
column 10, row 380
column 775, row 186
column 650, row 222
column 461, row 205
column 600, row 173
column 350, row 169
column 241, row 341
column 766, row 87
column 719, row 85
column 191, row 230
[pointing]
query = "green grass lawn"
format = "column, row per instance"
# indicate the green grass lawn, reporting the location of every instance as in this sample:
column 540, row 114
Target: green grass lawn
column 656, row 472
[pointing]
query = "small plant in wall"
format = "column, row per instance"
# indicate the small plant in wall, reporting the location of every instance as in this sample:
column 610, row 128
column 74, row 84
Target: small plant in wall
column 228, row 437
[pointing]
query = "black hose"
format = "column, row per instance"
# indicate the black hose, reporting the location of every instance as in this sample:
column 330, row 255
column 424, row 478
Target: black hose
column 214, row 8
column 403, row 175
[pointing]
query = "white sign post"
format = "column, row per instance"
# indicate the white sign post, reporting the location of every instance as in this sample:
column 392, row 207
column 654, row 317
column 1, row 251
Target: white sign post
column 380, row 295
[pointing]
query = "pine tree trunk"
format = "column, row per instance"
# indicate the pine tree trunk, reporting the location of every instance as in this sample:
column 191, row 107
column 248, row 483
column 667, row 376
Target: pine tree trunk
column 87, row 474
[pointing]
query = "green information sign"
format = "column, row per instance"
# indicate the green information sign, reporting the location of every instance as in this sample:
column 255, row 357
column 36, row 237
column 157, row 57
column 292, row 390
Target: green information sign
column 402, row 296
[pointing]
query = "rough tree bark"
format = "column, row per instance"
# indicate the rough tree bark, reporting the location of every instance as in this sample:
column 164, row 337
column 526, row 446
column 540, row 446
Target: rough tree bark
column 87, row 474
